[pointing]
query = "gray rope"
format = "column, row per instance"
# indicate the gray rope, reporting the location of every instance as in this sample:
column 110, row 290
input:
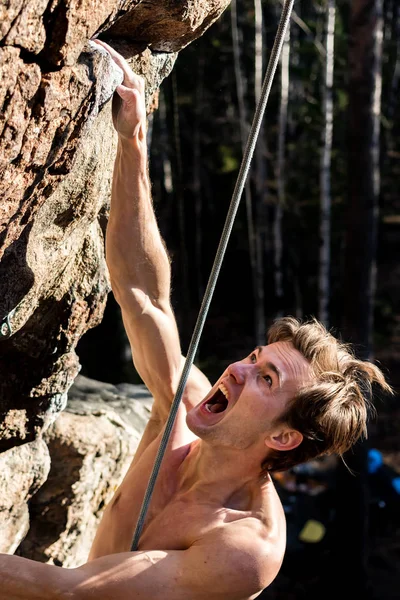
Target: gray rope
column 237, row 193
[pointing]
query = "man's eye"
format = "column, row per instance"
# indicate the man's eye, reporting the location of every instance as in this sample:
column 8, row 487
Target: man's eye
column 268, row 379
column 253, row 358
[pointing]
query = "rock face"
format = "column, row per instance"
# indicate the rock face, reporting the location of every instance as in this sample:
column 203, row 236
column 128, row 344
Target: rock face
column 22, row 471
column 56, row 155
column 91, row 445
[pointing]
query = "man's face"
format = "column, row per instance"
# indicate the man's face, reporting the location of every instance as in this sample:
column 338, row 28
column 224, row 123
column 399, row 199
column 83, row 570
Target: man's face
column 245, row 403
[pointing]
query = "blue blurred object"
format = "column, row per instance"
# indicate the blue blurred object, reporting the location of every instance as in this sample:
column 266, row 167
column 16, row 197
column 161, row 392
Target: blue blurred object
column 385, row 482
column 396, row 484
column 375, row 460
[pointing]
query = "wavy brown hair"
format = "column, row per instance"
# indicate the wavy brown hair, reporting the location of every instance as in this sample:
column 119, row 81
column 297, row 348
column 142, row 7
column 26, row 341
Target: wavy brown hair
column 332, row 411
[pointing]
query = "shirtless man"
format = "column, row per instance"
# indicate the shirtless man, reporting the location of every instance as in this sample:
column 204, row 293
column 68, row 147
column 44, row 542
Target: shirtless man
column 215, row 529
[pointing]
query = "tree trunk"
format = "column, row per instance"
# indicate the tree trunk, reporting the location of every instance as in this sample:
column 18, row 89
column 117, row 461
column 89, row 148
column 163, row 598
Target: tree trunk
column 325, row 169
column 260, row 178
column 244, row 130
column 365, row 57
column 197, row 189
column 177, row 176
column 282, row 127
column 365, row 52
column 394, row 85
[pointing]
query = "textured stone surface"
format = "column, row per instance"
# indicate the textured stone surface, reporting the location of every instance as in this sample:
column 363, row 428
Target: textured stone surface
column 170, row 25
column 56, row 155
column 57, row 147
column 53, row 274
column 91, row 445
column 22, row 471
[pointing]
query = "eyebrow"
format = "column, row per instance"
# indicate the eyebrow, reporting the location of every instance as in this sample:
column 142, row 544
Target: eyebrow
column 271, row 366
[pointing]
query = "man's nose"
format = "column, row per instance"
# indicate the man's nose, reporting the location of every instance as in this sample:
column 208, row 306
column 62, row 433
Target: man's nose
column 238, row 371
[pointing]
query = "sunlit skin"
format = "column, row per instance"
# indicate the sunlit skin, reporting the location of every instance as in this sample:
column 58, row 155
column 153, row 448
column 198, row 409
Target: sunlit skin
column 215, row 528
column 258, row 388
column 214, row 458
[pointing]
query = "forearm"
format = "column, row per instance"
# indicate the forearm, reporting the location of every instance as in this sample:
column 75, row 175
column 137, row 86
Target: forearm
column 135, row 253
column 114, row 577
column 136, row 257
column 23, row 579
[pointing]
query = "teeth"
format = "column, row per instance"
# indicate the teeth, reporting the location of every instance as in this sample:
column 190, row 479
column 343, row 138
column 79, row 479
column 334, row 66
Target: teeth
column 223, row 390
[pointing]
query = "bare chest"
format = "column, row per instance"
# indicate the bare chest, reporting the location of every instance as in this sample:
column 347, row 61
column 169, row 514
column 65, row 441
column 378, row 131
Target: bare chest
column 174, row 520
column 176, row 517
column 179, row 524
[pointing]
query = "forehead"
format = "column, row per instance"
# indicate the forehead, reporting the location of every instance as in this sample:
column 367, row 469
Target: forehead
column 291, row 364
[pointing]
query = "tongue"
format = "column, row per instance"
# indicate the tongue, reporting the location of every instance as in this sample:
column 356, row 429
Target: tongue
column 217, row 407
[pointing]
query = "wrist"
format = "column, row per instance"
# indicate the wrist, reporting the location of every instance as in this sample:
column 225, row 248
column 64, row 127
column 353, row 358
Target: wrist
column 132, row 156
column 137, row 143
column 138, row 137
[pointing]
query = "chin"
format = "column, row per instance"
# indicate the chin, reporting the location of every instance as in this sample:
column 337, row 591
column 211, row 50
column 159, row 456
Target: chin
column 194, row 427
column 201, row 430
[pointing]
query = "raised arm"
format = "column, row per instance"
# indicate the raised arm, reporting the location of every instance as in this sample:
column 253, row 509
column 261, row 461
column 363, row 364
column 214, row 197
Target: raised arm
column 136, row 257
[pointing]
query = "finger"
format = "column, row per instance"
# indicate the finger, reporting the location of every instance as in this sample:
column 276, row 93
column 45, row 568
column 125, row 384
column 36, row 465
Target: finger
column 126, row 93
column 118, row 58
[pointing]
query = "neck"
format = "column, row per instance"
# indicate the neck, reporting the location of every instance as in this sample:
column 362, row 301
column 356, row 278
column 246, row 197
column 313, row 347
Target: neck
column 220, row 472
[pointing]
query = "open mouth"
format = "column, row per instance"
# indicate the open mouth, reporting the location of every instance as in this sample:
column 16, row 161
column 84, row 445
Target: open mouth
column 219, row 401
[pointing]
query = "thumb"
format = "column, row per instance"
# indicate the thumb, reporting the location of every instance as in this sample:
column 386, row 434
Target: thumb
column 124, row 92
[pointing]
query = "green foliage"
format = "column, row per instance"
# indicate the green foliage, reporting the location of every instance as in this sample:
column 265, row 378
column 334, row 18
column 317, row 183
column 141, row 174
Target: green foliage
column 229, row 162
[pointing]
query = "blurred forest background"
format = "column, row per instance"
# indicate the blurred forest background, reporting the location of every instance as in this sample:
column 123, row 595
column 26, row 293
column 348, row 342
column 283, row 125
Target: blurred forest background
column 317, row 234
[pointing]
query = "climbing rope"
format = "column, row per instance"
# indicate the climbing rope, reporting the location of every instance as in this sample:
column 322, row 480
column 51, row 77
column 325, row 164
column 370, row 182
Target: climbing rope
column 234, row 205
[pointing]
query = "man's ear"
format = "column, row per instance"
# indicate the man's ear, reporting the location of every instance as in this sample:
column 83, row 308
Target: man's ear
column 284, row 440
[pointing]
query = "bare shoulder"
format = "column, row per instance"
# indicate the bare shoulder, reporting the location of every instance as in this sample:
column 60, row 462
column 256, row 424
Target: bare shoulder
column 244, row 555
column 270, row 511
